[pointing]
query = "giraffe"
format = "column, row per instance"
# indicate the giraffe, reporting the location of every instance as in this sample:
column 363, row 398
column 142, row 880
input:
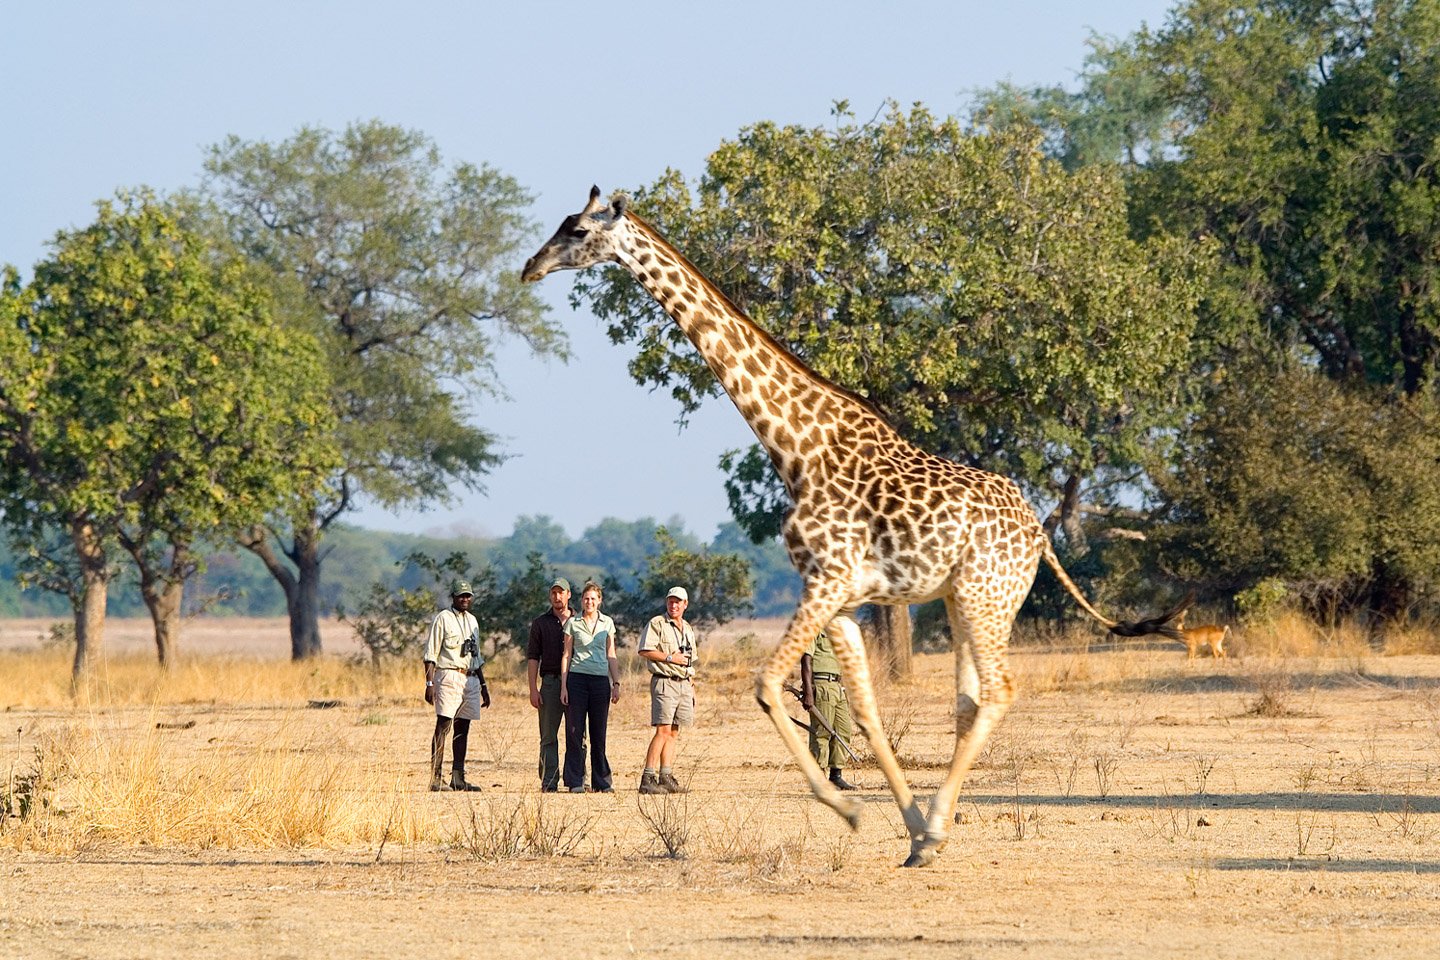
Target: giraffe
column 874, row 518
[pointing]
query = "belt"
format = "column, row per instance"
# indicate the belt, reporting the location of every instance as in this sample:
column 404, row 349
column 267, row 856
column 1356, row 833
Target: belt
column 468, row 673
column 555, row 674
column 826, row 676
column 661, row 676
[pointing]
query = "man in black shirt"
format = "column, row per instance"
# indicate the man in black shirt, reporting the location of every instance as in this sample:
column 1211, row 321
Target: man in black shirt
column 547, row 643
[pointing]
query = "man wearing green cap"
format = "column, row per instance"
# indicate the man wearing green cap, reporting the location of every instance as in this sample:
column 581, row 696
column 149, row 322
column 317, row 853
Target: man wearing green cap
column 454, row 683
column 547, row 645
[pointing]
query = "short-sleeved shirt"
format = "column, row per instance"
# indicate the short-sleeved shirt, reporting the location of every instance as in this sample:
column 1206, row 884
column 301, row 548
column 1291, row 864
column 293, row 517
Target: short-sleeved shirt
column 662, row 634
column 547, row 642
column 454, row 641
column 822, row 655
column 589, row 650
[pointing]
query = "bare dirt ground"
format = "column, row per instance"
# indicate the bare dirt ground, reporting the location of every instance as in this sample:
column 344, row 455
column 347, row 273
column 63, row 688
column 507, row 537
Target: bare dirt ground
column 1131, row 805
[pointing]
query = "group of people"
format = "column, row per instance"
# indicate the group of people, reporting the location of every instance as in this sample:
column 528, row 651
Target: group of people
column 574, row 677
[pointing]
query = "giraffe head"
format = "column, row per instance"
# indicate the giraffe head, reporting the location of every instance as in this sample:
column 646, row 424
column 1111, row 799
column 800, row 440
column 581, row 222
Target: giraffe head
column 583, row 240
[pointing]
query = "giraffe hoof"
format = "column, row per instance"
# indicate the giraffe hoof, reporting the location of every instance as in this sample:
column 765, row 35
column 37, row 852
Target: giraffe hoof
column 921, row 858
column 848, row 809
column 924, row 850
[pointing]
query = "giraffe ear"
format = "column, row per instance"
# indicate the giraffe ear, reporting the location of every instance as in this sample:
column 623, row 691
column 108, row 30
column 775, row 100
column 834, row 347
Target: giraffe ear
column 594, row 203
column 619, row 207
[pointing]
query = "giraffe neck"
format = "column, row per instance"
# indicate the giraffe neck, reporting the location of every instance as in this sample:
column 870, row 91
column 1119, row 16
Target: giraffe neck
column 786, row 404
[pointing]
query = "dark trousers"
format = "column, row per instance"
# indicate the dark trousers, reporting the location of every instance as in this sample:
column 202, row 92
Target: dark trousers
column 552, row 713
column 589, row 704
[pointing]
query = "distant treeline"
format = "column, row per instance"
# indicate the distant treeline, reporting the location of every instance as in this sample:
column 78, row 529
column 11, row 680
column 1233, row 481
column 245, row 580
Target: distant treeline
column 236, row 583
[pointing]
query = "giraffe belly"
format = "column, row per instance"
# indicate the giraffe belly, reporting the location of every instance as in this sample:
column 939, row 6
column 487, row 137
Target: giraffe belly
column 877, row 584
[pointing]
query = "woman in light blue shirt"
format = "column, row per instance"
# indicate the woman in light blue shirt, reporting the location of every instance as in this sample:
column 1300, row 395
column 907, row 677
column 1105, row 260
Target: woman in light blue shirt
column 589, row 683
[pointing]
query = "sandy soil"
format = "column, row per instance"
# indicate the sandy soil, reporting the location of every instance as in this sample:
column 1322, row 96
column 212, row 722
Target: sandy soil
column 1130, row 805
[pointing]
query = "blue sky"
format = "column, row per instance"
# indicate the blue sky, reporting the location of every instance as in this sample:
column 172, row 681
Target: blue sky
column 103, row 95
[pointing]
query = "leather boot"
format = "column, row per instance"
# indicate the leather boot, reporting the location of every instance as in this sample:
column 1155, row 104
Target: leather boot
column 650, row 783
column 671, row 785
column 840, row 782
column 457, row 782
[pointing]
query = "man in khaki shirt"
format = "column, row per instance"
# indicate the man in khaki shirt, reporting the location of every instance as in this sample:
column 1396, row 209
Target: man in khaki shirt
column 668, row 643
column 454, row 683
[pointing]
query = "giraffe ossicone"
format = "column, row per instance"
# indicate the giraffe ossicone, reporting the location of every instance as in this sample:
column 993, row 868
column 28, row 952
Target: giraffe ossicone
column 875, row 519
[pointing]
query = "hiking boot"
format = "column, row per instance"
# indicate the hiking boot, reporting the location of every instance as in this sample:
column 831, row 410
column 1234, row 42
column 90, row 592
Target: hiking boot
column 439, row 786
column 671, row 785
column 460, row 785
column 650, row 783
column 840, row 782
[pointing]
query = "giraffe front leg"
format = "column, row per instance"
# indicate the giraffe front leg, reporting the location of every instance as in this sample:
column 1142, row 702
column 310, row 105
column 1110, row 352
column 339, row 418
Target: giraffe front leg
column 850, row 651
column 769, row 689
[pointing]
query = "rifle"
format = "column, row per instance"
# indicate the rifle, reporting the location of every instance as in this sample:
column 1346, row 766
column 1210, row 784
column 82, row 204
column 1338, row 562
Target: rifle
column 790, row 689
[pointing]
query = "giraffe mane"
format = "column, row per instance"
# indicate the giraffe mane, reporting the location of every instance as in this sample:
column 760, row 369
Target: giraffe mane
column 765, row 336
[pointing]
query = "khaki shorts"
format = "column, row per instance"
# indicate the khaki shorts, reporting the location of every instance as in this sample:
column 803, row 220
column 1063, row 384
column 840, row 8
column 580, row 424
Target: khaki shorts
column 671, row 702
column 456, row 695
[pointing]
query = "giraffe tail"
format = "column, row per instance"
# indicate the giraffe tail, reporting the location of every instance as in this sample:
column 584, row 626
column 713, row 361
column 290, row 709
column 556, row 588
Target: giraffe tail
column 1163, row 624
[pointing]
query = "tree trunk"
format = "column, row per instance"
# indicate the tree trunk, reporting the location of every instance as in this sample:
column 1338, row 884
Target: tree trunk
column 893, row 643
column 1070, row 518
column 162, row 591
column 163, row 597
column 301, row 586
column 90, row 611
column 304, row 605
column 1391, row 595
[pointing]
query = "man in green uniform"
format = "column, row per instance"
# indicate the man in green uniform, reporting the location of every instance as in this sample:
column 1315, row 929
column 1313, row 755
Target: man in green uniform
column 824, row 698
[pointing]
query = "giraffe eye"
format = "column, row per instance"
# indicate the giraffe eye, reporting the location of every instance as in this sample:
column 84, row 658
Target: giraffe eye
column 579, row 233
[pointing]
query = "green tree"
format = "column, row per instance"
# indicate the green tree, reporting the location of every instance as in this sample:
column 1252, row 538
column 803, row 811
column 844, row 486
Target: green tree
column 1118, row 114
column 991, row 302
column 1307, row 140
column 718, row 584
column 401, row 264
column 1290, row 477
column 391, row 621
column 149, row 394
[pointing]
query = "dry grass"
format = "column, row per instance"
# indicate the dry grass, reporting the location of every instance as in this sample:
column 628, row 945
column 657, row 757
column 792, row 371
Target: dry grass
column 121, row 764
column 96, row 784
column 32, row 678
column 1124, row 781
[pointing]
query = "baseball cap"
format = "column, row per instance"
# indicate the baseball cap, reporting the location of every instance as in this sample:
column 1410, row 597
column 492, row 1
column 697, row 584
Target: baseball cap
column 562, row 583
column 459, row 588
column 679, row 593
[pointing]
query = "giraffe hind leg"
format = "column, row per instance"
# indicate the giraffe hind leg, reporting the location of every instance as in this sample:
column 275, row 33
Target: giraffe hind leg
column 983, row 650
column 808, row 620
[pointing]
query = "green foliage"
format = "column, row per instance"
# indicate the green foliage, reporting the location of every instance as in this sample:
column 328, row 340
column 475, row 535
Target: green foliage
column 1308, row 143
column 401, row 265
column 505, row 613
column 776, row 585
column 1117, row 115
column 1289, row 477
column 718, row 584
column 150, row 392
column 990, row 302
column 391, row 622
column 1263, row 600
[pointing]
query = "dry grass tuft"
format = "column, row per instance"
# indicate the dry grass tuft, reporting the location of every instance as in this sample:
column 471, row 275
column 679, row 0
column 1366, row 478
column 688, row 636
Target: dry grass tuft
column 1290, row 634
column 508, row 829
